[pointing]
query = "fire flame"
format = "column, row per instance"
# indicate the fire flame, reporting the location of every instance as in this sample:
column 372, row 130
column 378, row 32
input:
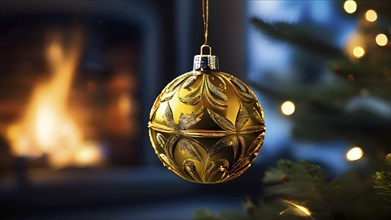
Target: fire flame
column 47, row 127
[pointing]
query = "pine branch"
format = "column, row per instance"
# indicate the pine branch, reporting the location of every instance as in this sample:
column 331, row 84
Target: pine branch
column 322, row 106
column 287, row 172
column 298, row 183
column 290, row 188
column 300, row 191
column 382, row 185
column 295, row 34
column 338, row 91
column 371, row 71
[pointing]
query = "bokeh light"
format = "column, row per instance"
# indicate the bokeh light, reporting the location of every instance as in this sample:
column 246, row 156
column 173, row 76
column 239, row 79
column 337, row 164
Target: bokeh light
column 355, row 153
column 350, row 6
column 358, row 52
column 381, row 39
column 288, row 108
column 371, row 15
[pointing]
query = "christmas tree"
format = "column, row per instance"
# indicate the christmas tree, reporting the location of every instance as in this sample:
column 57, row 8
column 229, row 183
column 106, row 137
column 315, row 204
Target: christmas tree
column 355, row 107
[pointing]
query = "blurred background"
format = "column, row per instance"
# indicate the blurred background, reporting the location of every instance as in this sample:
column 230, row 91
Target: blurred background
column 78, row 79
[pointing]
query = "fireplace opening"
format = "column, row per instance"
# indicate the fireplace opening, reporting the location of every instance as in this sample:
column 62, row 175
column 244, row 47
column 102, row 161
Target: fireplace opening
column 70, row 92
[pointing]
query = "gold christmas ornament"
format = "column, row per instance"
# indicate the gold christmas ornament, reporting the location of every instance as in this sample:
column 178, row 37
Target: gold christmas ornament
column 206, row 126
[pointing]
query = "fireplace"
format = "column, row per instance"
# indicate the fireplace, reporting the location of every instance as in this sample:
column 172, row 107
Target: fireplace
column 77, row 82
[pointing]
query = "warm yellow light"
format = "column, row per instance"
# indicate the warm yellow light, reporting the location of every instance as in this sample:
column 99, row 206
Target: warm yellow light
column 88, row 154
column 296, row 209
column 381, row 39
column 354, row 153
column 358, row 52
column 288, row 108
column 46, row 126
column 21, row 142
column 371, row 15
column 350, row 6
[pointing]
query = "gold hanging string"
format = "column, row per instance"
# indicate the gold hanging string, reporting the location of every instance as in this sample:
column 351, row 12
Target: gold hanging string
column 205, row 18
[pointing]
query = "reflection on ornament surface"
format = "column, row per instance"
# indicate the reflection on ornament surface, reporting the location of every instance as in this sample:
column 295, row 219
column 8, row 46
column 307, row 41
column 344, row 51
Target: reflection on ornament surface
column 207, row 126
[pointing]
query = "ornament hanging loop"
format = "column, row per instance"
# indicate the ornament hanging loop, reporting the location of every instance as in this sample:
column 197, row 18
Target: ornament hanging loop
column 203, row 47
column 205, row 61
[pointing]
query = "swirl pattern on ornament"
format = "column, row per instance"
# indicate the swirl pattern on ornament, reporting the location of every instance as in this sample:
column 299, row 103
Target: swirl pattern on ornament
column 207, row 126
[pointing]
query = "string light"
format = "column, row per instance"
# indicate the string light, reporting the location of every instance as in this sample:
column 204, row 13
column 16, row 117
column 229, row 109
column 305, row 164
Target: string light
column 371, row 15
column 350, row 6
column 358, row 52
column 354, row 154
column 388, row 157
column 287, row 108
column 381, row 39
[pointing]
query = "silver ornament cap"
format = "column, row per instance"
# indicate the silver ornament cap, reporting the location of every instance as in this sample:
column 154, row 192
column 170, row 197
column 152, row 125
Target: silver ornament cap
column 205, row 61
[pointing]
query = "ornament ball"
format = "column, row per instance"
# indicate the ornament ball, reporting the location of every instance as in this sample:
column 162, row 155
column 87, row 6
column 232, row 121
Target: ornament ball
column 206, row 126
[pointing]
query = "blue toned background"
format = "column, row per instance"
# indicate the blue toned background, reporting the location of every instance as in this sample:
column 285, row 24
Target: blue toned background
column 275, row 63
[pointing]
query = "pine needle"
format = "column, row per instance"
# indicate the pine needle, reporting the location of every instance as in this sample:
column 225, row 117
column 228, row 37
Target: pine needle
column 295, row 34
